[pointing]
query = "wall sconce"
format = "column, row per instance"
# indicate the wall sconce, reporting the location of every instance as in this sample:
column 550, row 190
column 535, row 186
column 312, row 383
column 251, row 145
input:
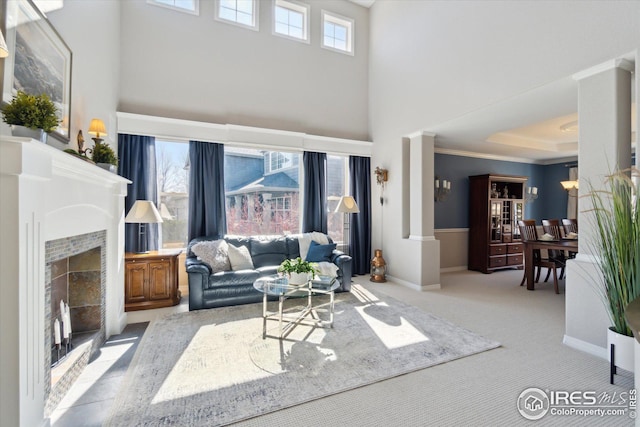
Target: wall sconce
column 441, row 190
column 530, row 194
column 569, row 185
column 97, row 128
column 382, row 176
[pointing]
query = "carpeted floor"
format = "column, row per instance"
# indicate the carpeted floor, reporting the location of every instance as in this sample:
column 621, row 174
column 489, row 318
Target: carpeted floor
column 212, row 367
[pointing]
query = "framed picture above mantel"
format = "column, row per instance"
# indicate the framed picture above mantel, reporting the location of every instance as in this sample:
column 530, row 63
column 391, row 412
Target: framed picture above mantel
column 39, row 60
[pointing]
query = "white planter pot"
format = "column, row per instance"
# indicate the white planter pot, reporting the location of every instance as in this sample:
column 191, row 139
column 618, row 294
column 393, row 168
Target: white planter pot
column 298, row 278
column 107, row 166
column 23, row 131
column 624, row 350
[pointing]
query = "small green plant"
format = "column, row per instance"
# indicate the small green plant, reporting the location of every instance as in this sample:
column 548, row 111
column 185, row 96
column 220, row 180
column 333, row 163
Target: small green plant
column 32, row 111
column 297, row 265
column 102, row 153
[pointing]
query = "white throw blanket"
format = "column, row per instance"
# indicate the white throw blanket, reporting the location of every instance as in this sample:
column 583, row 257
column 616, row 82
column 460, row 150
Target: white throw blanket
column 328, row 269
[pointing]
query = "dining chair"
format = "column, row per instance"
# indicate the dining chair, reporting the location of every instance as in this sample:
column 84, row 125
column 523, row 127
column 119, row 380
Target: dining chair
column 552, row 227
column 570, row 225
column 529, row 232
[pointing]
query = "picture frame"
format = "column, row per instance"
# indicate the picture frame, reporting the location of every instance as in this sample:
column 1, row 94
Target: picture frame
column 39, row 60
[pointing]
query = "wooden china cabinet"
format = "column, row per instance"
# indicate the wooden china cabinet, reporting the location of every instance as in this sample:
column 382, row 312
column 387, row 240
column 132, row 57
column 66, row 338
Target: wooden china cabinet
column 496, row 203
column 151, row 280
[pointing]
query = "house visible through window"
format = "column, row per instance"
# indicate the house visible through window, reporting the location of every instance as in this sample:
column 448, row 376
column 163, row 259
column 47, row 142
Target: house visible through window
column 291, row 19
column 190, row 6
column 242, row 12
column 337, row 32
column 262, row 190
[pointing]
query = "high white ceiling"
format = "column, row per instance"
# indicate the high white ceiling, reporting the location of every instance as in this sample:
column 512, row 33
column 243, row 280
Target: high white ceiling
column 491, row 78
column 540, row 125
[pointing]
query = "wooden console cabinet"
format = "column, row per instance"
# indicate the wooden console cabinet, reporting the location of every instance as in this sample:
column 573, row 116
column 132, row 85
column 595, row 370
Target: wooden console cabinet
column 151, row 280
column 496, row 203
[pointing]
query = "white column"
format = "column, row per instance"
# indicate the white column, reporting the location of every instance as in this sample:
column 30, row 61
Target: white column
column 421, row 208
column 604, row 115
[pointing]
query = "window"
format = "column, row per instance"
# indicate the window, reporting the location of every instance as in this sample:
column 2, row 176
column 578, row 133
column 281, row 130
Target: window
column 240, row 12
column 262, row 190
column 337, row 186
column 337, row 32
column 189, row 6
column 291, row 19
column 173, row 192
column 277, row 161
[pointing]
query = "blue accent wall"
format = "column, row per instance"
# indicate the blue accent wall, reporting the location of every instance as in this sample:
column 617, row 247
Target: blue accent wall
column 454, row 212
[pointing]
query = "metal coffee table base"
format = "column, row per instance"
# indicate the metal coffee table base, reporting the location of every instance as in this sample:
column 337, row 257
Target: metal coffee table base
column 307, row 316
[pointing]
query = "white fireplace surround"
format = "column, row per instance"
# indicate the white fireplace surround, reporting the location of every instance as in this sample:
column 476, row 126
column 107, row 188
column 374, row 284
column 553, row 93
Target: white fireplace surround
column 46, row 194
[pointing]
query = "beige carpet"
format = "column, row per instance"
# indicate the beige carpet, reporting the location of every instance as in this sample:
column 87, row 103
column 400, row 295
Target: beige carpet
column 212, row 367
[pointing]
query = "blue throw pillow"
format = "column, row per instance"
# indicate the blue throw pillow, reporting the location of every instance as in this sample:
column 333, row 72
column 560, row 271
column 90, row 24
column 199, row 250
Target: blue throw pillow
column 319, row 253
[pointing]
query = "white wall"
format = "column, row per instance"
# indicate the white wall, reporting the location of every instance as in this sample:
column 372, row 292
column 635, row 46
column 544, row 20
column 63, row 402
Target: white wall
column 434, row 61
column 91, row 30
column 196, row 68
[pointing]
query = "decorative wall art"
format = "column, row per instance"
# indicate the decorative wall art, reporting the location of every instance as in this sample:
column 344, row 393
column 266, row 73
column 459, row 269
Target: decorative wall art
column 39, row 60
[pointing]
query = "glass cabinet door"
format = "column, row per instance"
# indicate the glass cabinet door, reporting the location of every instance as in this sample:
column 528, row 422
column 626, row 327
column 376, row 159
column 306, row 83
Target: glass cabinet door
column 518, row 215
column 496, row 220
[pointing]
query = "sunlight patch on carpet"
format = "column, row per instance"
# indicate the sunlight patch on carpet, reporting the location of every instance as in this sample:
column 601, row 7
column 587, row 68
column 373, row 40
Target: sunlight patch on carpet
column 393, row 330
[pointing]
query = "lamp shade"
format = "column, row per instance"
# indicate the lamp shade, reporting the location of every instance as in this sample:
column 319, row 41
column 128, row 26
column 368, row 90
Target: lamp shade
column 569, row 185
column 96, row 127
column 143, row 212
column 4, row 51
column 347, row 204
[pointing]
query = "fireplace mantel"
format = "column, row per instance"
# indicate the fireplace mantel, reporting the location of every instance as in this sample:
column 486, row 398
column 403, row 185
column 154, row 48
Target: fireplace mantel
column 47, row 194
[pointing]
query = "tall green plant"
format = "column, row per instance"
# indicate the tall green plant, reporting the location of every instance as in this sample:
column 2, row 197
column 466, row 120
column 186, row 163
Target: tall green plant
column 616, row 245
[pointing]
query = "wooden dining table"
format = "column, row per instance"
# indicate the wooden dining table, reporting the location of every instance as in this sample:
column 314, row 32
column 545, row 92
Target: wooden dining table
column 529, row 246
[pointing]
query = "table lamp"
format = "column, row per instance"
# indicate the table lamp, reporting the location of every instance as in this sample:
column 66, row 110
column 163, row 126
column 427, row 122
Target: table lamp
column 143, row 212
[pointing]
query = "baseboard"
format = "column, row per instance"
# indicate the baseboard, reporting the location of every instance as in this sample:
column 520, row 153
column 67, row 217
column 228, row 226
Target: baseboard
column 452, row 269
column 586, row 347
column 414, row 286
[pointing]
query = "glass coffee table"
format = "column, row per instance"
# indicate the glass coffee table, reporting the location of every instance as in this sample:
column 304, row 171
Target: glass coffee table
column 280, row 287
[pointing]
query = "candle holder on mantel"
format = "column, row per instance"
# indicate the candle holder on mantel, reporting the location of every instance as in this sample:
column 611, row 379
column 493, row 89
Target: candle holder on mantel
column 378, row 268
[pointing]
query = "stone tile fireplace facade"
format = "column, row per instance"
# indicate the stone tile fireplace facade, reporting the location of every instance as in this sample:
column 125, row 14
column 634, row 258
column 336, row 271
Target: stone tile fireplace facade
column 50, row 196
column 75, row 272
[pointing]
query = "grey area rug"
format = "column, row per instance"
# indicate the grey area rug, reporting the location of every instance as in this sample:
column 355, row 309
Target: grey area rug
column 212, row 367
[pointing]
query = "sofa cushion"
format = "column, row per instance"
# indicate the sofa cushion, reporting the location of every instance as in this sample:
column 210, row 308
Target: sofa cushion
column 232, row 278
column 305, row 239
column 268, row 270
column 240, row 258
column 213, row 252
column 320, row 253
column 268, row 250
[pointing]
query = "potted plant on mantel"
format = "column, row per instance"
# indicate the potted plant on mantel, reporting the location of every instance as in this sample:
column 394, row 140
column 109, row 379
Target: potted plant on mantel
column 31, row 116
column 104, row 156
column 298, row 271
column 616, row 216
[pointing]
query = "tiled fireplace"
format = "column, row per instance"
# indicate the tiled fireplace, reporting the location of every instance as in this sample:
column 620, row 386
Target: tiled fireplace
column 75, row 273
column 62, row 222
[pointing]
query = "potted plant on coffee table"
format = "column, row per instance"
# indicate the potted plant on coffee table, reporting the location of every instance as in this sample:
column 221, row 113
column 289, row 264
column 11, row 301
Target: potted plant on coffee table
column 298, row 271
column 31, row 116
column 616, row 217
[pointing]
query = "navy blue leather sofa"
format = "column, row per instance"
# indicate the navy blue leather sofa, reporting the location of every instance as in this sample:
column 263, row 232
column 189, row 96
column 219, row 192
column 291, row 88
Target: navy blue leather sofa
column 208, row 289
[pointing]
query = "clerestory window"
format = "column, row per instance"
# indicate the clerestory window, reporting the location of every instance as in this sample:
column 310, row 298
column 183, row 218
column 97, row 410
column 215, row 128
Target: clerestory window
column 291, row 20
column 337, row 32
column 238, row 12
column 189, row 6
